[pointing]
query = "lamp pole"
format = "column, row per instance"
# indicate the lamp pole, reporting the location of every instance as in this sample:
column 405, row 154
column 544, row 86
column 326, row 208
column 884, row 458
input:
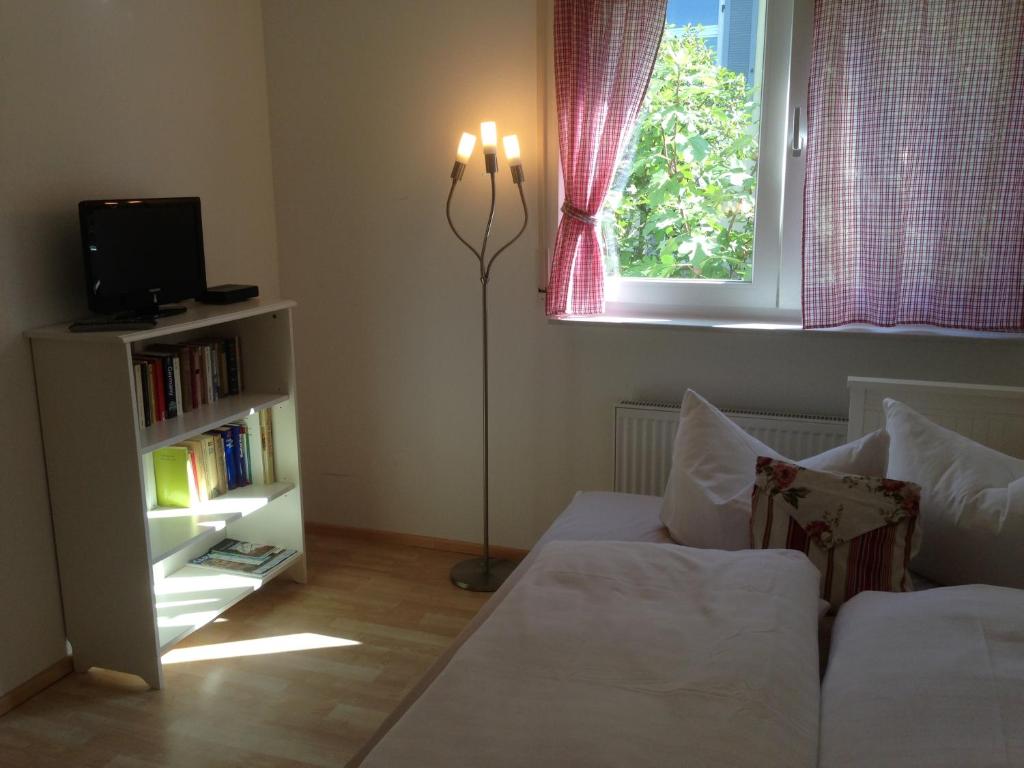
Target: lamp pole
column 485, row 574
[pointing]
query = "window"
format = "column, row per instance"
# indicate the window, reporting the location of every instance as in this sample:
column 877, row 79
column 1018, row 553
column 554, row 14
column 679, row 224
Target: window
column 705, row 211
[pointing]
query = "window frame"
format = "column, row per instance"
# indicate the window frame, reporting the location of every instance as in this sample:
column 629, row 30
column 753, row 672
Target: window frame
column 775, row 284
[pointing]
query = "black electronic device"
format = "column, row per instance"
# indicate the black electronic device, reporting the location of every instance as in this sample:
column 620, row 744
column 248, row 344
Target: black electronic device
column 113, row 323
column 229, row 293
column 142, row 253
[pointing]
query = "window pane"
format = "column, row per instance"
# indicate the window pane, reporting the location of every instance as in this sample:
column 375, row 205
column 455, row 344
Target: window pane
column 682, row 205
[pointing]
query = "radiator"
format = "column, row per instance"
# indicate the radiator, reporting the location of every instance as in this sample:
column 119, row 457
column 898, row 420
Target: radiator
column 645, row 432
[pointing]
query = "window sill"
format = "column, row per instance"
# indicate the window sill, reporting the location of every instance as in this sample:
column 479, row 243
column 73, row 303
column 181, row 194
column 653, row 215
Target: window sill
column 787, row 321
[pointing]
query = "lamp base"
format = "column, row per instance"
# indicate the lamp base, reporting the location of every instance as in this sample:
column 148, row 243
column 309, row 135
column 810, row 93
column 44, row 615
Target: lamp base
column 472, row 575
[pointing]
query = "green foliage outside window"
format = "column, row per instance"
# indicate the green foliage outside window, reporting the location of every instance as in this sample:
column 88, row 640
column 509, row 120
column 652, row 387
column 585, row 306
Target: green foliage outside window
column 686, row 209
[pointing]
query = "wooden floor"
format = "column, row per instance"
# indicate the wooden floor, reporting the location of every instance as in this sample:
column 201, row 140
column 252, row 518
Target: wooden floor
column 296, row 708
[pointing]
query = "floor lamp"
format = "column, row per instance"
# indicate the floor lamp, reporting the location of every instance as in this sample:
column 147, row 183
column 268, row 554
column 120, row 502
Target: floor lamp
column 485, row 574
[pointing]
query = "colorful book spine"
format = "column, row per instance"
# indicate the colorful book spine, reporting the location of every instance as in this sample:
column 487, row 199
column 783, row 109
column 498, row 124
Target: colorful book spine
column 147, row 393
column 185, row 368
column 197, row 372
column 231, row 352
column 222, row 368
column 230, row 459
column 156, row 381
column 267, row 446
column 140, row 411
column 211, row 353
column 174, row 408
column 236, row 438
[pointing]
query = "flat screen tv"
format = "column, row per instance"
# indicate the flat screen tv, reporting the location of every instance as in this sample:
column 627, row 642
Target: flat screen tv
column 140, row 254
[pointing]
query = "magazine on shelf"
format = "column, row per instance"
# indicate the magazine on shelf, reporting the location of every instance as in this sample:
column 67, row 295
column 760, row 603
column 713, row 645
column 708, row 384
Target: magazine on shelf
column 244, row 551
column 213, row 561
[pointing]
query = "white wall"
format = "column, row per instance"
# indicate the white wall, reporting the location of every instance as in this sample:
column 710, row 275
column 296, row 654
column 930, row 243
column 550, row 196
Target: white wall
column 366, row 102
column 104, row 99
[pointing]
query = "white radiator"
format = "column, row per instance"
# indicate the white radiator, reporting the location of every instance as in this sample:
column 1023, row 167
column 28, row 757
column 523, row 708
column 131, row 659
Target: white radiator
column 645, row 432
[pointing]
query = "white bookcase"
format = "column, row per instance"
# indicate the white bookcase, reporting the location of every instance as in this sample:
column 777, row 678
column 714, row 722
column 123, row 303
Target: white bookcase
column 129, row 591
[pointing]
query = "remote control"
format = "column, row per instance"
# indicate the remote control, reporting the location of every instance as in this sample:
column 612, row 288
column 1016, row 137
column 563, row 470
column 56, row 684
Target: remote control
column 112, row 324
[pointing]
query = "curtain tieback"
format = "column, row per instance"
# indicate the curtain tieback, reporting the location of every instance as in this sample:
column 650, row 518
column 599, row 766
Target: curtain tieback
column 575, row 213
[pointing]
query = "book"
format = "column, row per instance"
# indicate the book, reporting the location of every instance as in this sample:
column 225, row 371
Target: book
column 156, row 388
column 267, row 446
column 230, row 460
column 218, row 453
column 210, row 560
column 170, row 355
column 140, row 396
column 214, row 363
column 165, row 360
column 244, row 551
column 173, row 474
column 216, row 484
column 197, row 375
column 197, row 455
column 246, row 455
column 222, row 368
column 233, row 371
column 185, row 366
column 240, row 463
column 199, row 361
column 147, row 392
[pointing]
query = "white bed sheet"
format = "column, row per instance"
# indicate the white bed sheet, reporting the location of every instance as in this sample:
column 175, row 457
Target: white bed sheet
column 638, row 654
column 931, row 678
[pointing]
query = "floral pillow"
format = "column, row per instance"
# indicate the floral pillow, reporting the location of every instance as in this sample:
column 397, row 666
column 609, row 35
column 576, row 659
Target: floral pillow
column 859, row 531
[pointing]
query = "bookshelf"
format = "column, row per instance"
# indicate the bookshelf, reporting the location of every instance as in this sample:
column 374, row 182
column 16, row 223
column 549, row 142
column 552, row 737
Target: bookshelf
column 128, row 589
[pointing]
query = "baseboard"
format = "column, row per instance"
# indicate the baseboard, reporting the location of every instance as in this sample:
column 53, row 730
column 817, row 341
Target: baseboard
column 415, row 540
column 35, row 685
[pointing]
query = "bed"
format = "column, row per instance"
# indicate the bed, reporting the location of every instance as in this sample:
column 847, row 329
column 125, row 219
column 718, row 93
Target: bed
column 612, row 645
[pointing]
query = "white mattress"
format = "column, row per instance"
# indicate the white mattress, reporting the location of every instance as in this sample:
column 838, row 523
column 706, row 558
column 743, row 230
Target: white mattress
column 590, row 516
column 610, row 654
column 930, row 678
column 604, row 516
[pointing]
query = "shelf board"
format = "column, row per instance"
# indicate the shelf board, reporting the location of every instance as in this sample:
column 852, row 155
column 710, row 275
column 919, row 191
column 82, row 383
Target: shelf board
column 173, row 529
column 194, row 596
column 198, row 316
column 205, row 417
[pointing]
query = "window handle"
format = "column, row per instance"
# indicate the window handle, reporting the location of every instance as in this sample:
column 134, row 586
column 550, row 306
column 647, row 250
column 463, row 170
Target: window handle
column 797, row 145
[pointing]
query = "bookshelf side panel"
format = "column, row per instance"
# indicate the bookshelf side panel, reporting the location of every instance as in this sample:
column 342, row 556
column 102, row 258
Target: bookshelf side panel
column 291, row 448
column 90, row 434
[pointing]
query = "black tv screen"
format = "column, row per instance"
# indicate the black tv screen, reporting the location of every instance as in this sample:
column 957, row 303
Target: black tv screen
column 142, row 253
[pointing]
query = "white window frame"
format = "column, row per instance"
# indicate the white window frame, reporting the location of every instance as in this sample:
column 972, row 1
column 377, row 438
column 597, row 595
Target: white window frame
column 775, row 285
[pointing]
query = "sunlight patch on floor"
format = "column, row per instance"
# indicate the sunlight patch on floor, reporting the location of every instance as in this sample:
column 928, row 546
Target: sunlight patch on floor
column 304, row 641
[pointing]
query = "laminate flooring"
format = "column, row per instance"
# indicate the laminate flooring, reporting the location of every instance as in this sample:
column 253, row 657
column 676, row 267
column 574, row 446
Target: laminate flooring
column 328, row 661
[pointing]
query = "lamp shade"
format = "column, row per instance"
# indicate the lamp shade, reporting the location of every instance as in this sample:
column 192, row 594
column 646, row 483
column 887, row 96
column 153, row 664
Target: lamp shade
column 465, row 150
column 512, row 149
column 489, row 136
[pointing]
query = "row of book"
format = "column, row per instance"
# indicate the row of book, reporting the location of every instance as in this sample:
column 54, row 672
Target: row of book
column 194, row 471
column 175, row 378
column 243, row 557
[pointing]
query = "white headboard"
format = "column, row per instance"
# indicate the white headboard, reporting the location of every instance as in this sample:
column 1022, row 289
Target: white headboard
column 992, row 416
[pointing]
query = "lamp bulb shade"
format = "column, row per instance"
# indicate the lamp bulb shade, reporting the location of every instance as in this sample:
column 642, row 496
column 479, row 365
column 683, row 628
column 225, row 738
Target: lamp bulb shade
column 465, row 150
column 512, row 149
column 489, row 136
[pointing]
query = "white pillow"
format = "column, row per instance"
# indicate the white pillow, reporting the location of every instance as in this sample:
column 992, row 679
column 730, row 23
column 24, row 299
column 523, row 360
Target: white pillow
column 707, row 499
column 972, row 501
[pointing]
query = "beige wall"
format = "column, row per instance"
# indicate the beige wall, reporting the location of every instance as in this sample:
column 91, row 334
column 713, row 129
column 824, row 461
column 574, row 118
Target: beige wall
column 106, row 98
column 366, row 102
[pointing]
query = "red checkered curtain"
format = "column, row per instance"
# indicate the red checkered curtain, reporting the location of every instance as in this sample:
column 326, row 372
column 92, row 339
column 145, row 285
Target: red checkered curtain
column 914, row 196
column 604, row 55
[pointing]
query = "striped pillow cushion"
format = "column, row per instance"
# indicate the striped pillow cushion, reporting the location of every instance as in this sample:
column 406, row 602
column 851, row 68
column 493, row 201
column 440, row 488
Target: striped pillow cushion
column 859, row 531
